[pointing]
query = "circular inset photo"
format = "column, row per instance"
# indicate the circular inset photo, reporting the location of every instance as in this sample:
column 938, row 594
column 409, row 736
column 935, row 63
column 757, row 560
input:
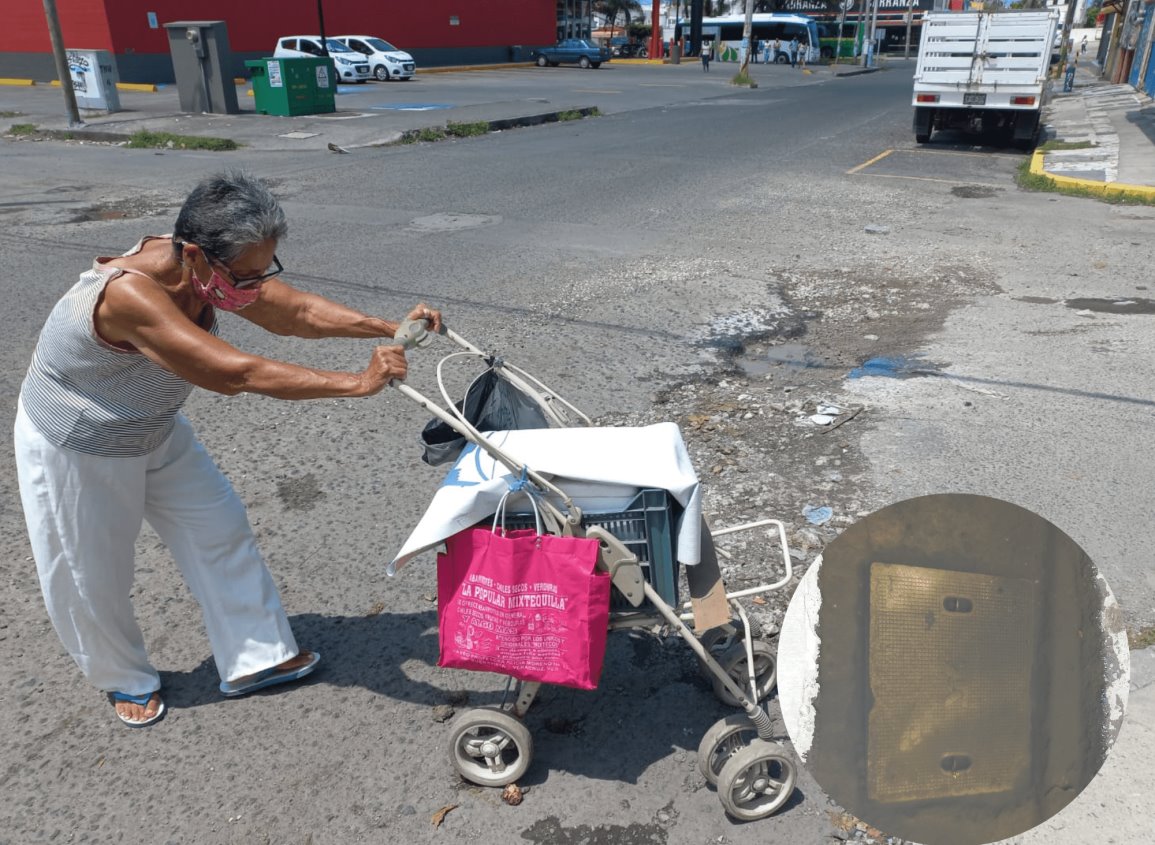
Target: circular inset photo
column 953, row 670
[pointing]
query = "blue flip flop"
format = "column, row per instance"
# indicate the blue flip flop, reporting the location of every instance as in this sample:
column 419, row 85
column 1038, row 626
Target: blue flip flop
column 268, row 678
column 143, row 701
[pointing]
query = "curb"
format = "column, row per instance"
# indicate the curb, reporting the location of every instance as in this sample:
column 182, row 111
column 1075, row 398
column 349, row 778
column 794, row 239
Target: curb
column 21, row 82
column 456, row 68
column 82, row 135
column 499, row 125
column 858, row 72
column 1105, row 189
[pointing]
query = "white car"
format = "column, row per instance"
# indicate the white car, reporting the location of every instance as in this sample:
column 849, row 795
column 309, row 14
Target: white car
column 385, row 61
column 350, row 65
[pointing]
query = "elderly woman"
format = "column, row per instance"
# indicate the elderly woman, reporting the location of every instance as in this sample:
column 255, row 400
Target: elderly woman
column 101, row 444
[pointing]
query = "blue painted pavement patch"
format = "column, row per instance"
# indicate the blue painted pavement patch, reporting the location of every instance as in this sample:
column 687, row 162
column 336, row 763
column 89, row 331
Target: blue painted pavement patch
column 412, row 106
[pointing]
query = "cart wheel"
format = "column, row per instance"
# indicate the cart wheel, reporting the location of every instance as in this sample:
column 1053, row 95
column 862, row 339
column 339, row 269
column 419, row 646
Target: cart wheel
column 490, row 747
column 725, row 738
column 733, row 663
column 756, row 781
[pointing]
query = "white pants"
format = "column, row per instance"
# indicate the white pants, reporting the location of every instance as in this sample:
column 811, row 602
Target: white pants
column 84, row 513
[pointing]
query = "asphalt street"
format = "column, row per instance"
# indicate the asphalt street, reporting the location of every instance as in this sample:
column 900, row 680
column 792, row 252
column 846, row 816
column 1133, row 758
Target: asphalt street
column 608, row 256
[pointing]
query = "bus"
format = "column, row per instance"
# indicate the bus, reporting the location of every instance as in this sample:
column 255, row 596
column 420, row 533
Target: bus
column 725, row 34
column 850, row 44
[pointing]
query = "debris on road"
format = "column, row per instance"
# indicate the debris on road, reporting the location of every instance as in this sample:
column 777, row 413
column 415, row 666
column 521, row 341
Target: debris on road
column 512, row 795
column 440, row 815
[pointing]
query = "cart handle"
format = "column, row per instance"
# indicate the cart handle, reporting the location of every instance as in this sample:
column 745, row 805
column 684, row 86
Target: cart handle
column 414, row 334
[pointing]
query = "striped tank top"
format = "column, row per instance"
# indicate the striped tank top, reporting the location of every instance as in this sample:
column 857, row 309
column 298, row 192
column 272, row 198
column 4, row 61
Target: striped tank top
column 85, row 394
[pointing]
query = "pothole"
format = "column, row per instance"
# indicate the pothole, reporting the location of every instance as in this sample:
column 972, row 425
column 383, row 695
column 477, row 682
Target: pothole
column 786, row 355
column 450, row 222
column 973, row 192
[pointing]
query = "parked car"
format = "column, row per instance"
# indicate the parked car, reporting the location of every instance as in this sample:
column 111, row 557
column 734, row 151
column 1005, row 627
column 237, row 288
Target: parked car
column 632, row 51
column 571, row 51
column 350, row 65
column 385, row 61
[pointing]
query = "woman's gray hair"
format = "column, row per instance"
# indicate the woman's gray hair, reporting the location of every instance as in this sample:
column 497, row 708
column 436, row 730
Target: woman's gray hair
column 228, row 213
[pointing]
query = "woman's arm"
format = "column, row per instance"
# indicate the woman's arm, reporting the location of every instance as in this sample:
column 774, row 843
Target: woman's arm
column 284, row 310
column 137, row 311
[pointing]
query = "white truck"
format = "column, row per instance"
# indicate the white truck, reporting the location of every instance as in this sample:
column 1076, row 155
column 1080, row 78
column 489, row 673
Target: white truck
column 984, row 72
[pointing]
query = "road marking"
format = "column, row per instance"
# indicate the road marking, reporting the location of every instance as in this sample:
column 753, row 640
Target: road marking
column 867, row 164
column 958, row 153
column 932, row 179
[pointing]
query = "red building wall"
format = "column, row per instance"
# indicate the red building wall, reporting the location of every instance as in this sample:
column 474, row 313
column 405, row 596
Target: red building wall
column 83, row 24
column 254, row 25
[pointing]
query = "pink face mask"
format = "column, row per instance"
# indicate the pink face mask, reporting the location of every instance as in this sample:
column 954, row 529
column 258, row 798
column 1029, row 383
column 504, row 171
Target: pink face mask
column 219, row 292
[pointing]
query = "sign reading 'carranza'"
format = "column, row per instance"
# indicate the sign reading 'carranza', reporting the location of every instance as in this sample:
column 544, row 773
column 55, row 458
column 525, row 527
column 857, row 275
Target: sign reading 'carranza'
column 834, row 7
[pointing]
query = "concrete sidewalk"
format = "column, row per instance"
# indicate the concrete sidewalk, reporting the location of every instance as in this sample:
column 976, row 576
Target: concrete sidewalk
column 1117, row 121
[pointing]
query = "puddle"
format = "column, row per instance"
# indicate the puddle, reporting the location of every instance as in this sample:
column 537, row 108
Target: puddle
column 898, row 366
column 795, row 355
column 91, row 214
column 1113, row 306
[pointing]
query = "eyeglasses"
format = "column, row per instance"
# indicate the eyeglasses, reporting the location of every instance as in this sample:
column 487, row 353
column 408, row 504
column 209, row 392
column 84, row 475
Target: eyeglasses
column 242, row 282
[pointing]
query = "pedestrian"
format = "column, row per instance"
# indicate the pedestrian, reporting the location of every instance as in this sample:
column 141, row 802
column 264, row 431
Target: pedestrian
column 794, row 51
column 803, row 48
column 765, row 52
column 1083, row 46
column 706, row 56
column 777, row 50
column 101, row 444
column 1069, row 76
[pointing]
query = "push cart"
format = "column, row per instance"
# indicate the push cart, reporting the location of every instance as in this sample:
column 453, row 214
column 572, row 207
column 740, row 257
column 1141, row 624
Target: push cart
column 638, row 542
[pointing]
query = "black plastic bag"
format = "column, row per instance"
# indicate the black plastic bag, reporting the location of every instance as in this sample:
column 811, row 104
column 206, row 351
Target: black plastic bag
column 491, row 404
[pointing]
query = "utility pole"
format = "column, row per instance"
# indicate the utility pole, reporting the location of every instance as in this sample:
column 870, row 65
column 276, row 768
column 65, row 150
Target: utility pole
column 747, row 31
column 843, row 6
column 909, row 20
column 321, row 23
column 873, row 31
column 1067, row 24
column 62, row 63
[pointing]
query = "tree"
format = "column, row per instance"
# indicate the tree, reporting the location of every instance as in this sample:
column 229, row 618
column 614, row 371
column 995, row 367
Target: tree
column 612, row 8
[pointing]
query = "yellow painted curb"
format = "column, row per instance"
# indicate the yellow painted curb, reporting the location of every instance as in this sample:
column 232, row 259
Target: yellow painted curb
column 17, row 81
column 1105, row 189
column 120, row 86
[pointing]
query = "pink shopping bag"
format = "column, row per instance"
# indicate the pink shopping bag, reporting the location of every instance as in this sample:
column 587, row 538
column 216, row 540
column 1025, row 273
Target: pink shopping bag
column 523, row 604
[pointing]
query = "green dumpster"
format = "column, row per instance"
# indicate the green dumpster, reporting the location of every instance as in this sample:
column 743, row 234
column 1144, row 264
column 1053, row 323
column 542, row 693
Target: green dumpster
column 288, row 87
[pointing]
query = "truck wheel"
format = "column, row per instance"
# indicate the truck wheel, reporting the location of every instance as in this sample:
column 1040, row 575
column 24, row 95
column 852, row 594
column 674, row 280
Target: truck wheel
column 923, row 124
column 584, row 62
column 541, row 61
column 827, row 52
